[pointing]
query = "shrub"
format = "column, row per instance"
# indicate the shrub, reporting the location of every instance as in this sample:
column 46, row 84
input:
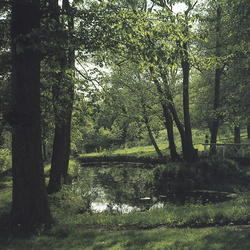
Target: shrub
column 217, row 171
column 203, row 174
column 173, row 176
column 71, row 199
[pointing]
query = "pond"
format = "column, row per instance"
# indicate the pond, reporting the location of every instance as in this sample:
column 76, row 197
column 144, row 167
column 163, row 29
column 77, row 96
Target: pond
column 122, row 188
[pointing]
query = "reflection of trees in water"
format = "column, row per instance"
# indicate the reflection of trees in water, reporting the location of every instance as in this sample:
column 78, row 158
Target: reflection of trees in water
column 126, row 186
column 122, row 185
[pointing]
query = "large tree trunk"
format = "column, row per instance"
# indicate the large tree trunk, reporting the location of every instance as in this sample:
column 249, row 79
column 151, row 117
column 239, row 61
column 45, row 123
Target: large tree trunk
column 30, row 208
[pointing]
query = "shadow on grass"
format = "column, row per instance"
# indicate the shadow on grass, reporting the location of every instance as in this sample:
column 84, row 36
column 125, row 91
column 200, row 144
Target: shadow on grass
column 210, row 238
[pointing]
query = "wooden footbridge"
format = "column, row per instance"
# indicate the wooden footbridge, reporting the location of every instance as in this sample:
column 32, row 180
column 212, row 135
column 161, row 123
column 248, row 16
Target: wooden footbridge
column 238, row 151
column 227, row 149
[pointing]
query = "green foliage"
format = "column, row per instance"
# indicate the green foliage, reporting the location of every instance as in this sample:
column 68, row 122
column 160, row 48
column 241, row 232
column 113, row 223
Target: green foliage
column 71, row 199
column 102, row 139
column 217, row 171
column 214, row 173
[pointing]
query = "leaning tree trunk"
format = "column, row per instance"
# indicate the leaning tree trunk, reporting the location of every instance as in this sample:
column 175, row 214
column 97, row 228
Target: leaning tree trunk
column 158, row 151
column 175, row 116
column 61, row 146
column 170, row 130
column 168, row 120
column 30, row 208
column 63, row 97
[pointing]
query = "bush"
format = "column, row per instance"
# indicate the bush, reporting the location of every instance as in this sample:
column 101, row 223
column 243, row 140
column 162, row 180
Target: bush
column 71, row 199
column 203, row 174
column 217, row 171
column 173, row 176
column 5, row 159
column 103, row 139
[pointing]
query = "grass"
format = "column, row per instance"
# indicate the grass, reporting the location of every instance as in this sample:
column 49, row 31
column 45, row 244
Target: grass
column 211, row 238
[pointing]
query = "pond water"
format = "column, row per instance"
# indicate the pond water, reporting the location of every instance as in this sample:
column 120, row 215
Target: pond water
column 122, row 188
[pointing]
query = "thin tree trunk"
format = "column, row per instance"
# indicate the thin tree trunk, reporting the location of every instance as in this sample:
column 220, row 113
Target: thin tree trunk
column 216, row 104
column 1, row 132
column 216, row 120
column 158, row 151
column 160, row 156
column 190, row 154
column 168, row 120
column 248, row 131
column 30, row 208
column 236, row 134
column 44, row 152
column 170, row 130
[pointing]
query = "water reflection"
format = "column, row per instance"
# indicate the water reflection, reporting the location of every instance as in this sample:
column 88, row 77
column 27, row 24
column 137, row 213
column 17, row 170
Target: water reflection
column 118, row 190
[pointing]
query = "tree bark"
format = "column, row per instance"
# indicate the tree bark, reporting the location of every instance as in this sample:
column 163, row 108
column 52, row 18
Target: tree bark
column 248, row 131
column 170, row 130
column 44, row 151
column 236, row 134
column 30, row 208
column 160, row 156
column 63, row 97
column 61, row 145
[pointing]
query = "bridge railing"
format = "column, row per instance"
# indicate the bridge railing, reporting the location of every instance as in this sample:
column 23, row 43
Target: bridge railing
column 227, row 149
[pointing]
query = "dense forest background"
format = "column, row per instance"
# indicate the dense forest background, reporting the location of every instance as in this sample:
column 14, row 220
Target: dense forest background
column 86, row 76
